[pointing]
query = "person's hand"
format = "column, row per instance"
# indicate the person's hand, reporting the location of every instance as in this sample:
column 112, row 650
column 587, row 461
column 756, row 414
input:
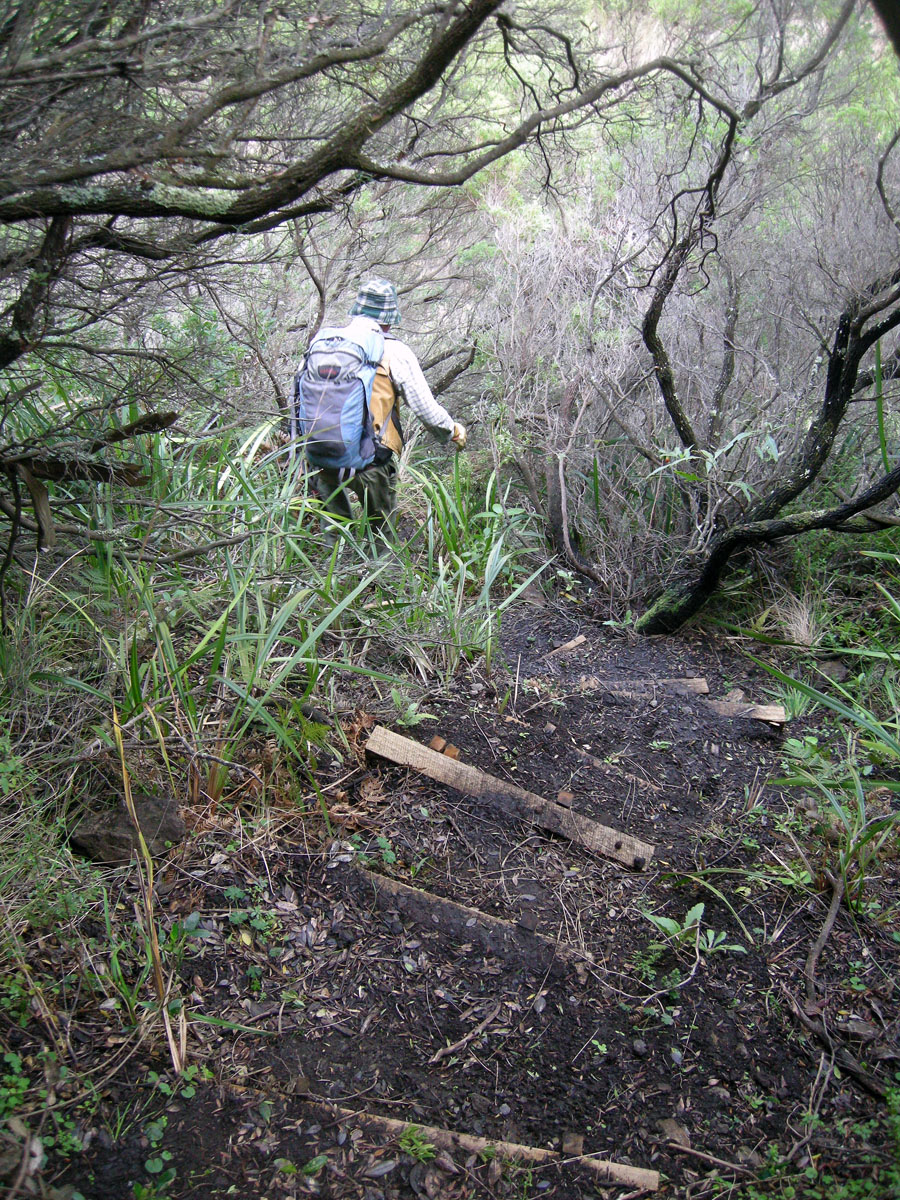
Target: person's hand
column 458, row 437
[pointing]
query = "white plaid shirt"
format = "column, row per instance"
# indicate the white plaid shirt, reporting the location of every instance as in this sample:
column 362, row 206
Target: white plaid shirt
column 409, row 380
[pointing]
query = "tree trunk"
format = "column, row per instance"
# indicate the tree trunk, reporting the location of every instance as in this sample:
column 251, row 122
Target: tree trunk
column 685, row 597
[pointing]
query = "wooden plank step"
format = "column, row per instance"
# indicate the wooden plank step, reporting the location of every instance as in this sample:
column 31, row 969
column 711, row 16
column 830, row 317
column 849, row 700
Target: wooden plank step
column 600, row 839
column 506, row 939
column 693, row 685
column 743, row 708
column 642, row 689
column 454, row 1141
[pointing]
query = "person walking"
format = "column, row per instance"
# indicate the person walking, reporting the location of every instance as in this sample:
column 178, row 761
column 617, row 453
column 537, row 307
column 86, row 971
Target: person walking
column 397, row 378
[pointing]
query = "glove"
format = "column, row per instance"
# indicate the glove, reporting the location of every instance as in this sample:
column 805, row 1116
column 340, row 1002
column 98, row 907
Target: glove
column 458, row 437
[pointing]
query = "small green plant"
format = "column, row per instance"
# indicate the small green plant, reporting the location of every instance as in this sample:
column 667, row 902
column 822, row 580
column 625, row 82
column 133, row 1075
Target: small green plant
column 315, row 1165
column 14, row 999
column 12, row 768
column 417, row 867
column 182, row 933
column 645, row 962
column 710, row 941
column 688, row 932
column 388, row 855
column 408, row 712
column 154, row 1189
column 807, row 751
column 876, row 1176
column 413, row 1142
column 157, row 1165
column 155, row 1130
column 678, row 931
column 385, row 850
column 14, row 1084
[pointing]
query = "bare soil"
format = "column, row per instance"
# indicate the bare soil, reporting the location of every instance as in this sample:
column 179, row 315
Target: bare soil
column 702, row 1059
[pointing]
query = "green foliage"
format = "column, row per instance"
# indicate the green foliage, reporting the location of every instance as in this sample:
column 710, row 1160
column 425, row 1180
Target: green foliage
column 413, row 1142
column 873, row 1177
column 855, row 826
column 468, row 549
column 408, row 711
column 857, row 834
column 205, row 657
column 14, row 1084
column 687, row 933
column 314, row 1165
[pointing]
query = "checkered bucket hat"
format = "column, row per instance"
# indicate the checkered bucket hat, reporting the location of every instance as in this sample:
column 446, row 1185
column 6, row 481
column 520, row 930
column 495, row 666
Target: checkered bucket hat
column 378, row 299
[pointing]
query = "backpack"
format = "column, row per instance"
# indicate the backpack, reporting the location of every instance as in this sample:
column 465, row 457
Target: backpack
column 332, row 398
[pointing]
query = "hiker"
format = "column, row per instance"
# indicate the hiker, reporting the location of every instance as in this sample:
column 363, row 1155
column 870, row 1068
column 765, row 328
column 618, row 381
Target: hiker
column 346, row 407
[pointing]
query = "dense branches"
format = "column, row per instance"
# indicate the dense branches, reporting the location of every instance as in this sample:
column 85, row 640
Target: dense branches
column 741, row 234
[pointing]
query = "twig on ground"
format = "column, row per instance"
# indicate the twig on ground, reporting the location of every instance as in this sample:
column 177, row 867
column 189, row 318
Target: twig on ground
column 816, row 1096
column 837, row 894
column 450, row 1140
column 466, row 1038
column 710, row 1158
column 842, row 1057
column 23, row 1168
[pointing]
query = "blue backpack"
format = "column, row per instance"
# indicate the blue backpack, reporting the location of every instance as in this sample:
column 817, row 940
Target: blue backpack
column 332, row 391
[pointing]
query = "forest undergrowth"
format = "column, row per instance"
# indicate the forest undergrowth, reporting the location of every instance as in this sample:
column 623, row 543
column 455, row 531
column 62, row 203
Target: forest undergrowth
column 208, row 655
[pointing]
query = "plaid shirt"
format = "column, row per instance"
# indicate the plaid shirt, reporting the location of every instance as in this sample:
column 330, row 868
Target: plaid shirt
column 409, row 380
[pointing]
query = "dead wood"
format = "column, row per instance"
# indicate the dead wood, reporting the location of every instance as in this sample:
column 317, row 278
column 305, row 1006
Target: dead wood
column 40, row 502
column 446, row 1051
column 842, row 1056
column 640, row 689
column 573, row 644
column 148, row 423
column 677, row 1148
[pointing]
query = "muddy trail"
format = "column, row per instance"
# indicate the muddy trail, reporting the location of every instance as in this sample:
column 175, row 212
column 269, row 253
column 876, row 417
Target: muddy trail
column 452, row 994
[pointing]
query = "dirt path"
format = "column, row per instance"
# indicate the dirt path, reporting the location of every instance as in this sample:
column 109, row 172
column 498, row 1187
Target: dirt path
column 577, row 1027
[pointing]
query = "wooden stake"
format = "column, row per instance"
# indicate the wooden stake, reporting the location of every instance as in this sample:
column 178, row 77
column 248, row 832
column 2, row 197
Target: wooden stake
column 600, row 839
column 451, row 1140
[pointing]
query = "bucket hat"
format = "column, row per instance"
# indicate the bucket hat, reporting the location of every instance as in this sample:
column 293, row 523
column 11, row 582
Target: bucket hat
column 377, row 299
